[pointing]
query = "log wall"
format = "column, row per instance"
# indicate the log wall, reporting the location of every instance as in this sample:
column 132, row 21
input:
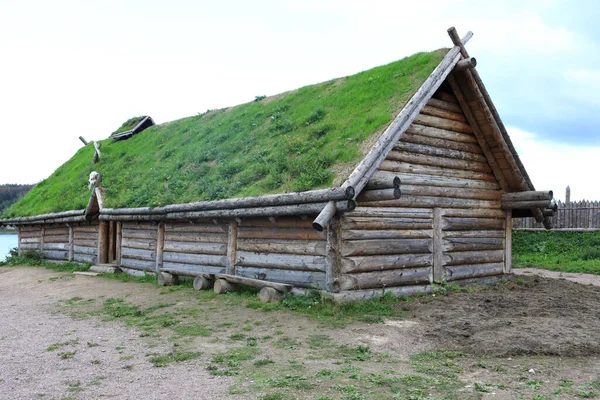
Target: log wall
column 30, row 238
column 138, row 245
column 85, row 243
column 56, row 242
column 287, row 249
column 200, row 247
column 447, row 225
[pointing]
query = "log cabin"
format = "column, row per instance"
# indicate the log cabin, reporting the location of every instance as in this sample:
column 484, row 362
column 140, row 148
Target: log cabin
column 420, row 194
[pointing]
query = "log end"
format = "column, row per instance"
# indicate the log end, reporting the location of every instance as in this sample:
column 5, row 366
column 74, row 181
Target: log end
column 351, row 204
column 202, row 283
column 268, row 295
column 397, row 193
column 350, row 192
column 396, row 182
column 222, row 286
column 167, row 279
column 318, row 227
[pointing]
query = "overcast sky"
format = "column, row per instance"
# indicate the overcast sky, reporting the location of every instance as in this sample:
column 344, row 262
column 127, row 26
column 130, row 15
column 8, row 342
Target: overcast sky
column 71, row 68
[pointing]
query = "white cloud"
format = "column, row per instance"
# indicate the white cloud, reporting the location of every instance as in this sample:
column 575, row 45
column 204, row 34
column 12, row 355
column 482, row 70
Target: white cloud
column 554, row 165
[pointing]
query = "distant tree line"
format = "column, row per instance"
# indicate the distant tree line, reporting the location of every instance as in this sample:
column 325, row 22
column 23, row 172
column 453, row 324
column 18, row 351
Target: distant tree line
column 9, row 194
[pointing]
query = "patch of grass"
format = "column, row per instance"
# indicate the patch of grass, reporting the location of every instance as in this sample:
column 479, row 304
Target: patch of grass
column 236, row 354
column 437, row 363
column 194, row 329
column 56, row 346
column 33, row 258
column 557, row 251
column 291, row 142
column 67, row 354
column 162, row 360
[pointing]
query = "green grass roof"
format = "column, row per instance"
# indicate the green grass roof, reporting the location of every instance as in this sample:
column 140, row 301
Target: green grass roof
column 304, row 139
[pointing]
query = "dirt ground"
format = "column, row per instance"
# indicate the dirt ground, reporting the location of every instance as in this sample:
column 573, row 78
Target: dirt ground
column 543, row 331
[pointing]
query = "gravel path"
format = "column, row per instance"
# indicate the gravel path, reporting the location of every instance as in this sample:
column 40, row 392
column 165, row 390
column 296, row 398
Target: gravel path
column 584, row 279
column 96, row 359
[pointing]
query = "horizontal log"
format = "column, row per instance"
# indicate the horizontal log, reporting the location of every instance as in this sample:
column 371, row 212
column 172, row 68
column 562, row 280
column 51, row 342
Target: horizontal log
column 195, row 247
column 140, row 265
column 56, row 231
column 474, row 234
column 415, row 168
column 440, row 112
column 442, row 123
column 384, row 212
column 475, row 213
column 196, row 259
column 441, row 143
column 196, row 237
column 30, row 246
column 258, row 283
column 528, row 196
column 152, row 226
column 297, row 278
column 368, row 223
column 56, row 255
column 442, row 134
column 31, row 234
column 30, row 239
column 444, row 105
column 137, row 254
column 433, row 151
column 543, row 204
column 379, row 262
column 85, row 250
column 365, row 294
column 56, row 246
column 42, row 217
column 29, row 228
column 139, row 244
column 379, row 195
column 446, row 96
column 85, row 243
column 459, row 224
column 383, row 180
column 467, row 63
column 474, row 257
column 281, row 261
column 196, row 228
column 472, row 244
column 56, row 239
column 432, row 202
column 300, row 247
column 190, row 270
column 380, row 247
column 279, row 233
column 86, row 228
column 382, row 279
column 280, row 222
column 473, row 271
column 139, row 233
column 452, row 192
column 438, row 161
column 353, row 234
column 85, row 258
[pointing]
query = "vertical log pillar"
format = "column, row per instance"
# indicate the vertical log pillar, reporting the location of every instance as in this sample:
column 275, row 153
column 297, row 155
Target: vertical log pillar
column 43, row 233
column 508, row 243
column 438, row 253
column 71, row 247
column 232, row 246
column 568, row 195
column 19, row 238
column 102, row 243
column 333, row 258
column 118, row 243
column 160, row 246
column 111, row 241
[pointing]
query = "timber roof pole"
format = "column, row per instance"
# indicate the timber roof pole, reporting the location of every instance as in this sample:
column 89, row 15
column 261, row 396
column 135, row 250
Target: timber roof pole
column 368, row 166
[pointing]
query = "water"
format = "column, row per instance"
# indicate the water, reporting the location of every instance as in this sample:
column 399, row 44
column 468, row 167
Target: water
column 7, row 242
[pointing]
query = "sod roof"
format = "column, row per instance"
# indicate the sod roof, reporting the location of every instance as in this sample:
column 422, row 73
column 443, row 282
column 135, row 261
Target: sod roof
column 303, row 139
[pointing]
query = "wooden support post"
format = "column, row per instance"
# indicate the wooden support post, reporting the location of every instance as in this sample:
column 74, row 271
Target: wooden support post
column 111, row 242
column 167, row 279
column 232, row 247
column 20, row 237
column 333, row 258
column 83, row 140
column 118, row 244
column 508, row 243
column 438, row 251
column 222, row 286
column 160, row 245
column 42, row 240
column 203, row 283
column 568, row 195
column 97, row 153
column 268, row 294
column 102, row 242
column 71, row 246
